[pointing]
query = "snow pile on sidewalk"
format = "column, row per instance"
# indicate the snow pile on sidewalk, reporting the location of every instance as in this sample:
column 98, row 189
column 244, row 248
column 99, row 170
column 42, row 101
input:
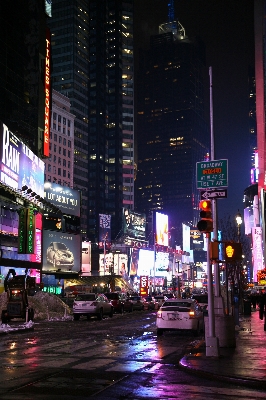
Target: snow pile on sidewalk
column 7, row 328
column 46, row 306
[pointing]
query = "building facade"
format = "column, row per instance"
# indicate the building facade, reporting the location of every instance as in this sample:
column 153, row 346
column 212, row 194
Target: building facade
column 59, row 166
column 92, row 55
column 171, row 128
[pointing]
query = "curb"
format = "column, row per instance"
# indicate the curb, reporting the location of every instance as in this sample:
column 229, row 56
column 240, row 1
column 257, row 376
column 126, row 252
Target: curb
column 250, row 383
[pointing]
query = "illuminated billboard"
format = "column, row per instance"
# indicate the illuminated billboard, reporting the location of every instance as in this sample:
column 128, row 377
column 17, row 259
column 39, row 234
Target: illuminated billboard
column 61, row 252
column 86, row 259
column 19, row 166
column 145, row 262
column 47, row 91
column 48, row 7
column 161, row 229
column 134, row 224
column 63, row 197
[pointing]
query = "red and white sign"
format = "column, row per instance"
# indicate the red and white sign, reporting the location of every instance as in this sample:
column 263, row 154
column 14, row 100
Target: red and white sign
column 144, row 286
column 257, row 251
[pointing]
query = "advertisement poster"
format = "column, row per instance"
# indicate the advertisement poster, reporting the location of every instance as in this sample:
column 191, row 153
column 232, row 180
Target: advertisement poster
column 61, row 251
column 162, row 229
column 19, row 166
column 106, row 264
column 63, row 197
column 104, row 231
column 134, row 224
column 86, row 259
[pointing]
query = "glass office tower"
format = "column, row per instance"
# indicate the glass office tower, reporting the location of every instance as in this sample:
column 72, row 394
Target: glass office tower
column 172, row 131
column 92, row 54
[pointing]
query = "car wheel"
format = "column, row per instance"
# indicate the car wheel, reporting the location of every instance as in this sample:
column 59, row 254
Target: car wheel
column 76, row 317
column 159, row 332
column 111, row 313
column 100, row 315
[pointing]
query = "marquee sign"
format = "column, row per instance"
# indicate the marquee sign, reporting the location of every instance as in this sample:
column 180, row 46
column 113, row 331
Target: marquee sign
column 47, row 117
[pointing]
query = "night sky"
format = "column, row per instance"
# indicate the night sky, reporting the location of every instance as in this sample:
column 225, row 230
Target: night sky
column 227, row 29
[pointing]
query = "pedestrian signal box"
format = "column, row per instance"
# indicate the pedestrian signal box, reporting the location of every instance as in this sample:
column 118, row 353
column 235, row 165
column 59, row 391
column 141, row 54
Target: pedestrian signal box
column 206, row 223
column 232, row 252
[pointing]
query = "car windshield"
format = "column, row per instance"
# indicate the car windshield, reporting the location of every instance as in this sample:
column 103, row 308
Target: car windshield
column 112, row 296
column 86, row 297
column 60, row 246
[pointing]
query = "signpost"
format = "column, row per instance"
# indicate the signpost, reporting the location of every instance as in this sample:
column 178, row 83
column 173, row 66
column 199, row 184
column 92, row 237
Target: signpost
column 212, row 174
column 213, row 194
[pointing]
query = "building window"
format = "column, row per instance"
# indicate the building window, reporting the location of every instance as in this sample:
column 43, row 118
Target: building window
column 55, row 137
column 64, row 141
column 60, row 139
column 64, row 130
column 59, row 160
column 59, row 128
column 68, row 133
column 54, row 115
column 59, row 171
column 69, row 144
column 64, row 121
column 54, row 126
column 64, row 162
column 68, row 164
column 54, row 158
column 55, row 148
column 64, row 152
column 59, row 118
column 69, row 153
column 60, row 149
column 68, row 123
column 49, row 168
column 64, row 173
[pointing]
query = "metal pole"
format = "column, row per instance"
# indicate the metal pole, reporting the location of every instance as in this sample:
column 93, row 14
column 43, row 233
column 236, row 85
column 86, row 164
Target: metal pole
column 154, row 263
column 104, row 256
column 210, row 290
column 214, row 203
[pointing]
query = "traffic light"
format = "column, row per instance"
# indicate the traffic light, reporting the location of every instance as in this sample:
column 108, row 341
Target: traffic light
column 232, row 252
column 205, row 224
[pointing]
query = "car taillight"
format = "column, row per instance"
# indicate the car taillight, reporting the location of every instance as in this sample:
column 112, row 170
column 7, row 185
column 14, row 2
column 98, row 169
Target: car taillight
column 159, row 314
column 191, row 314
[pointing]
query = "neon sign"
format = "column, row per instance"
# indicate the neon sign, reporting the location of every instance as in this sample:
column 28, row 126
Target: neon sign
column 46, row 140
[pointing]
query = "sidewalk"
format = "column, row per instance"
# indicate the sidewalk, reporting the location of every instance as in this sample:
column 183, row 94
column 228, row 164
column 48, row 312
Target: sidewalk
column 244, row 365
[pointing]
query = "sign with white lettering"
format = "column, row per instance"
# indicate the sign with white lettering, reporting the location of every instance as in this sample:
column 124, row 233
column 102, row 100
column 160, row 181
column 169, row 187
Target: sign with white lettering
column 19, row 166
column 212, row 174
column 66, row 199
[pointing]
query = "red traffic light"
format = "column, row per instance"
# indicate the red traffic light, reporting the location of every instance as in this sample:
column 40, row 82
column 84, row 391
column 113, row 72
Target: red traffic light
column 205, row 224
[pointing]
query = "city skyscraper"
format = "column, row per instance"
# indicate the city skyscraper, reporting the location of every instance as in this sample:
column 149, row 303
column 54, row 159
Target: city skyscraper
column 92, row 56
column 172, row 131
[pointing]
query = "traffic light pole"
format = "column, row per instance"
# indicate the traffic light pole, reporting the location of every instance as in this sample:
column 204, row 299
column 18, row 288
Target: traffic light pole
column 212, row 342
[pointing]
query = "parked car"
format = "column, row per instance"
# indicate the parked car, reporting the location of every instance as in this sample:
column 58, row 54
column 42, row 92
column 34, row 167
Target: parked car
column 134, row 303
column 117, row 300
column 180, row 314
column 160, row 299
column 91, row 304
column 150, row 303
column 59, row 255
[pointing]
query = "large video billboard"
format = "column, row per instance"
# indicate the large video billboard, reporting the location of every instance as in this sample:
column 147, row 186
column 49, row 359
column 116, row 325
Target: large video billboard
column 63, row 197
column 161, row 224
column 134, row 224
column 18, row 164
column 61, row 251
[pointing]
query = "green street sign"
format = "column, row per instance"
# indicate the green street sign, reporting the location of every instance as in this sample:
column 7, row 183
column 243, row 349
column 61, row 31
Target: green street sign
column 212, row 174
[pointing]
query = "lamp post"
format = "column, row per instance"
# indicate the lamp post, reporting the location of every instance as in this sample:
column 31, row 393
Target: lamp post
column 238, row 222
column 237, row 294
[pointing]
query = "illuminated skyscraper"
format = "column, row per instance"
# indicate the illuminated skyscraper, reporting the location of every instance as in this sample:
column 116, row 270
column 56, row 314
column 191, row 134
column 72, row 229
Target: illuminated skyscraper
column 172, row 132
column 92, row 53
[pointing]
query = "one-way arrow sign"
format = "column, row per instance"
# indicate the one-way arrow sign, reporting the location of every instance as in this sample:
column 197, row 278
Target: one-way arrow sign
column 213, row 194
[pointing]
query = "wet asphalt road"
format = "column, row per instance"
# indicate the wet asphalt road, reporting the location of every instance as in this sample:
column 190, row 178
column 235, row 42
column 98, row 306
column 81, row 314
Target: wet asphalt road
column 117, row 358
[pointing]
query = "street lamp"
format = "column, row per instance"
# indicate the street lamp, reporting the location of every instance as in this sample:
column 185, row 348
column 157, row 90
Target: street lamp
column 239, row 222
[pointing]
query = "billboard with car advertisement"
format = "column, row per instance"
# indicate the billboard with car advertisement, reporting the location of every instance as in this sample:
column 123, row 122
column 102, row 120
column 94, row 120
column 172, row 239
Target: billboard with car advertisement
column 134, row 224
column 19, row 166
column 63, row 197
column 161, row 229
column 61, row 251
